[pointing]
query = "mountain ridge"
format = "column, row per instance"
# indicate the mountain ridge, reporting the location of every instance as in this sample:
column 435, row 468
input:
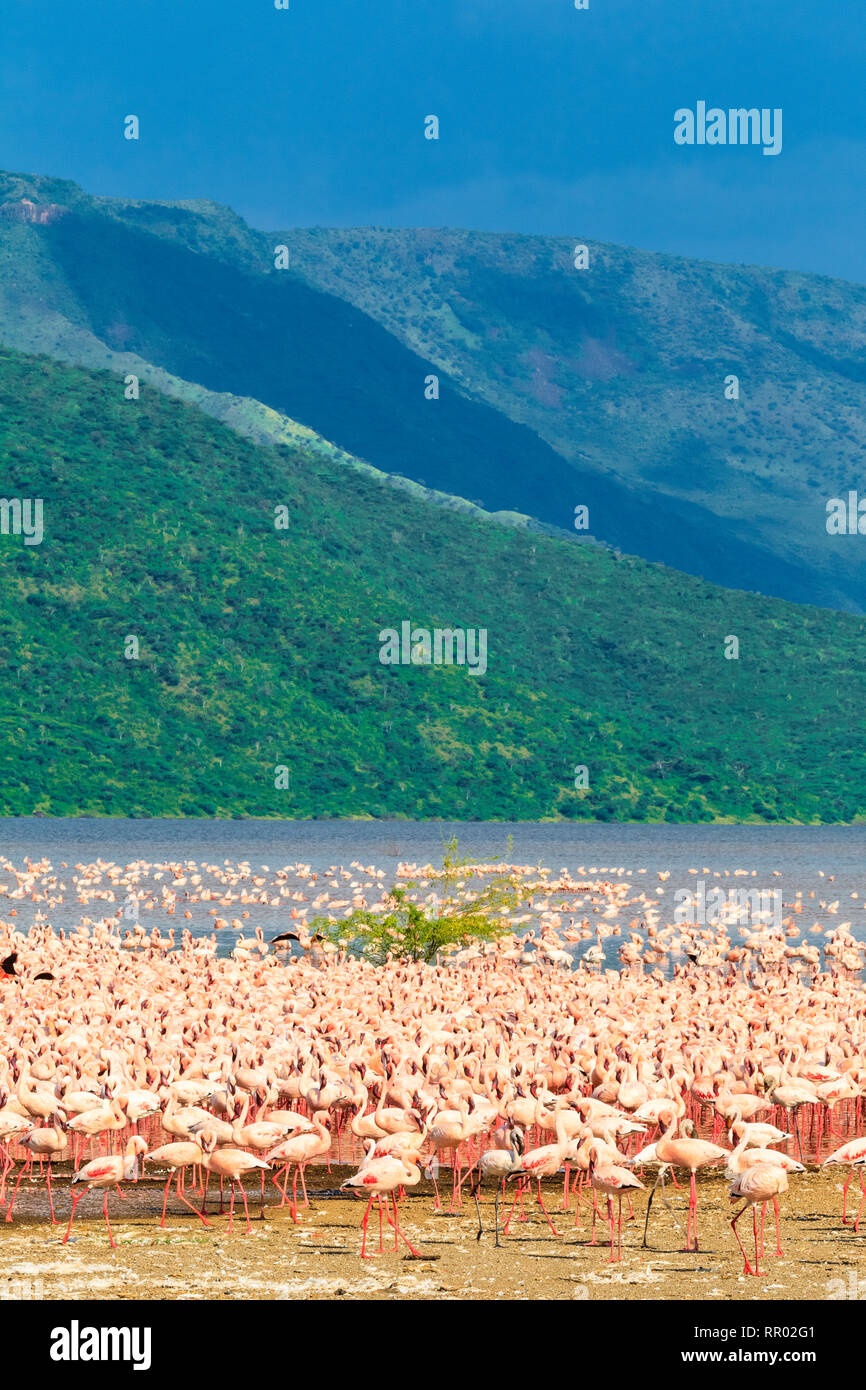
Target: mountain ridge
column 663, row 425
column 487, row 458
column 259, row 649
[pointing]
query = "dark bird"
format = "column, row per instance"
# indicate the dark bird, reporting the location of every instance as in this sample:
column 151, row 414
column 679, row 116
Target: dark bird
column 44, row 975
column 8, row 965
column 285, row 936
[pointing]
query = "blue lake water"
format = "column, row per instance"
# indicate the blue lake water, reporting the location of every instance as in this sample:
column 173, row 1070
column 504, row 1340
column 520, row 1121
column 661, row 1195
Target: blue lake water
column 800, row 854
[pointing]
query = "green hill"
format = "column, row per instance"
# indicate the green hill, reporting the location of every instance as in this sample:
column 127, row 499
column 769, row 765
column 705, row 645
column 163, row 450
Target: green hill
column 259, row 647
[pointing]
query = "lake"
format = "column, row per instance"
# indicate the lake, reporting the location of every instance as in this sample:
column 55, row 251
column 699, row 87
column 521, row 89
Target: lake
column 799, row 855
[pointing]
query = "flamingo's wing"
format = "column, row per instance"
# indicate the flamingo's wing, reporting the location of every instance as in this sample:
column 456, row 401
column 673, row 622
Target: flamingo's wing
column 98, row 1169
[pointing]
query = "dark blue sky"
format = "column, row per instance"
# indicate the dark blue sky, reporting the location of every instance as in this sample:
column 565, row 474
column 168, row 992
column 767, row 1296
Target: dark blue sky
column 553, row 120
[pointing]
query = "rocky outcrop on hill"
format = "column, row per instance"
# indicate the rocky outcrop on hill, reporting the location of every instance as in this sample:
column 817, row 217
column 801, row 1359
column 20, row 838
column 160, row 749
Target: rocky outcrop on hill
column 27, row 211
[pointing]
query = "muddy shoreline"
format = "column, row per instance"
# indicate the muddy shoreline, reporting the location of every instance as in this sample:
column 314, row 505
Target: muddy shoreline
column 319, row 1257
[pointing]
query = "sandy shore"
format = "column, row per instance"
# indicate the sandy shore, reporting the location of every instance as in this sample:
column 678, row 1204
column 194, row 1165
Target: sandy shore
column 319, row 1257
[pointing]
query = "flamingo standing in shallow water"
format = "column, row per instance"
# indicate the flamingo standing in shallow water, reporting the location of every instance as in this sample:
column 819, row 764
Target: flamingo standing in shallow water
column 761, row 1134
column 791, row 1094
column 830, row 1093
column 448, row 1130
column 92, row 1124
column 260, row 1136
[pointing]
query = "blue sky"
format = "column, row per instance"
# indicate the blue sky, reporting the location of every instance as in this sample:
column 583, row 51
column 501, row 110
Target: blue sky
column 552, row 120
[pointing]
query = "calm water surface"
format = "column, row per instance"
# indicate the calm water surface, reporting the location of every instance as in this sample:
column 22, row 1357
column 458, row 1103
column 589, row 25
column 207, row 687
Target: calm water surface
column 799, row 854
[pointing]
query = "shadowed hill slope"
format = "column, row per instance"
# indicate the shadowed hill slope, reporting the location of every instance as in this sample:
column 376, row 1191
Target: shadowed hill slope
column 557, row 387
column 259, row 648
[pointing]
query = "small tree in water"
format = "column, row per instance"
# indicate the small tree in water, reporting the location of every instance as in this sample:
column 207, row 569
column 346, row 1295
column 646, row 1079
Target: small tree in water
column 408, row 930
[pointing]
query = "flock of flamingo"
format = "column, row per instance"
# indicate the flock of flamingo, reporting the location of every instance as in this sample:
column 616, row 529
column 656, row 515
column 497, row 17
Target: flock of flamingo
column 520, row 1059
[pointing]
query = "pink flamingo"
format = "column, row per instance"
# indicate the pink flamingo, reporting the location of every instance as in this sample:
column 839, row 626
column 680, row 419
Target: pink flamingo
column 261, row 1135
column 830, row 1093
column 105, row 1173
column 11, row 1126
column 448, row 1130
column 176, row 1157
column 743, row 1158
column 612, row 1180
column 688, row 1152
column 102, row 1119
column 44, row 1143
column 758, row 1184
column 232, row 1164
column 542, row 1163
column 380, row 1176
column 854, row 1155
column 300, row 1149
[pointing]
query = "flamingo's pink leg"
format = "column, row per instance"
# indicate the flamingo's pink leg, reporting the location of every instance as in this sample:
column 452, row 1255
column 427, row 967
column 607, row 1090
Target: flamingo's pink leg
column 21, row 1171
column 763, row 1216
column 112, row 1242
column 7, row 1164
column 246, row 1208
column 76, row 1198
column 860, row 1208
column 544, row 1209
column 294, row 1207
column 748, row 1268
column 399, row 1233
column 183, row 1197
column 232, row 1207
column 54, row 1221
column 845, row 1196
column 165, row 1198
column 820, row 1133
column 437, row 1204
column 779, row 1250
column 364, row 1255
column 511, row 1212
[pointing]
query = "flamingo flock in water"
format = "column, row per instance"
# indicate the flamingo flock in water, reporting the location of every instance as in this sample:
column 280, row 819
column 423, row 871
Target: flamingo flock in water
column 519, row 1059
